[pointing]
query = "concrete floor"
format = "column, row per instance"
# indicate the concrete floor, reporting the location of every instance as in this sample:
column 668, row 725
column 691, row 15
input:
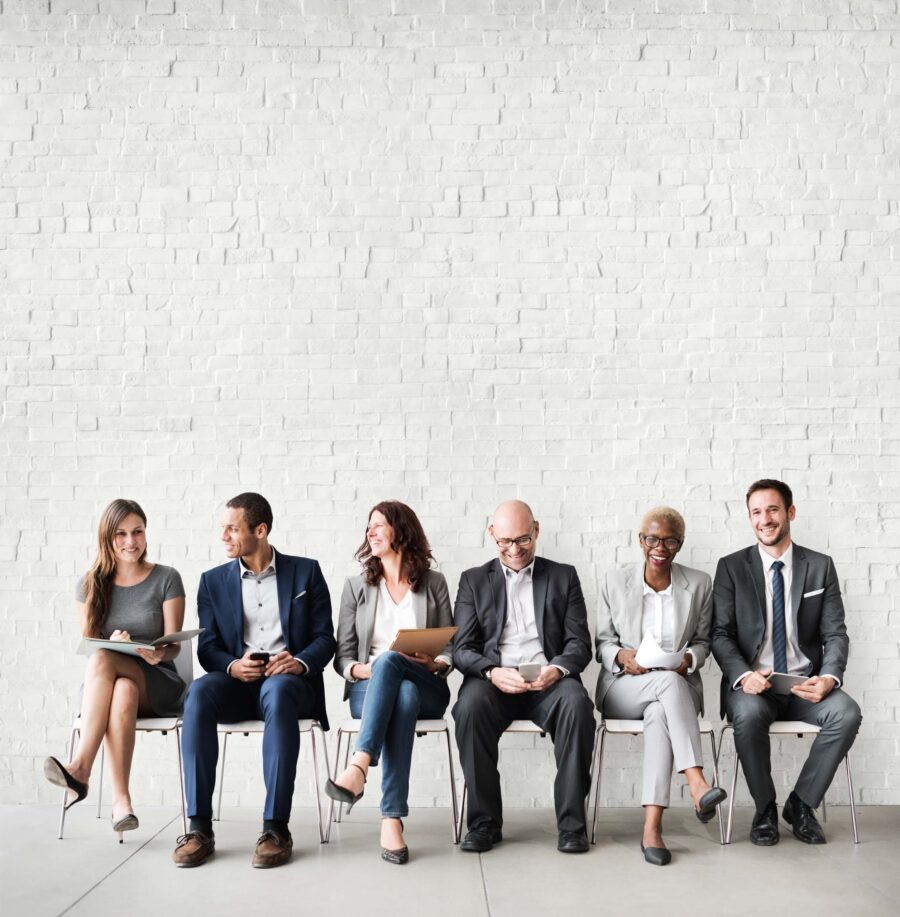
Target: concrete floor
column 88, row 873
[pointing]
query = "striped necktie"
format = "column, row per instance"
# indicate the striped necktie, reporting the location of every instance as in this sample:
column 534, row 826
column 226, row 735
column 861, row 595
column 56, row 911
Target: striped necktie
column 779, row 635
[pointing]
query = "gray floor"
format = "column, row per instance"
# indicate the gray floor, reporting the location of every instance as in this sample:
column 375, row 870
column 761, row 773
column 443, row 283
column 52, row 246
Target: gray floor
column 88, row 873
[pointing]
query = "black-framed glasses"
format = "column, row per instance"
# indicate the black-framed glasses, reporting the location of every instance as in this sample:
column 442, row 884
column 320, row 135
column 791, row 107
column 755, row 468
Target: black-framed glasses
column 523, row 541
column 653, row 541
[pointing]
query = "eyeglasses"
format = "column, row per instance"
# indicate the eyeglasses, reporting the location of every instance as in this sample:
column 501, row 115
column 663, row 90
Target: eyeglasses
column 670, row 544
column 521, row 542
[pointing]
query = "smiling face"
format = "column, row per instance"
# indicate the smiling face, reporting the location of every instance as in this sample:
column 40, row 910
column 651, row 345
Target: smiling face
column 658, row 555
column 771, row 520
column 129, row 540
column 238, row 538
column 515, row 532
column 380, row 535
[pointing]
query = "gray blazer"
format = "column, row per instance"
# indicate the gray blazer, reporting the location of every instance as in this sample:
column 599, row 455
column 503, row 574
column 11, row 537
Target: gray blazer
column 619, row 619
column 739, row 614
column 359, row 605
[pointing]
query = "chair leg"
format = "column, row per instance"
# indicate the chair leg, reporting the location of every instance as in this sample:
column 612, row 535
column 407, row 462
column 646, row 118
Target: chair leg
column 340, row 808
column 222, row 775
column 337, row 764
column 100, row 781
column 323, row 838
column 599, row 742
column 852, row 800
column 181, row 778
column 454, row 809
column 734, row 776
column 462, row 811
column 62, row 812
column 715, row 766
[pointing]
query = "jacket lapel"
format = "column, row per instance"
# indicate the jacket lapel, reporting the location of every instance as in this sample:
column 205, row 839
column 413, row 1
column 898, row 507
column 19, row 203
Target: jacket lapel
column 798, row 581
column 539, row 591
column 236, row 593
column 681, row 595
column 498, row 589
column 759, row 582
column 420, row 605
column 284, row 577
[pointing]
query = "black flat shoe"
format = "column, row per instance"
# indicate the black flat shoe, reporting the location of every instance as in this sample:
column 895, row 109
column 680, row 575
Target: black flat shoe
column 59, row 776
column 656, row 856
column 803, row 822
column 398, row 857
column 342, row 794
column 706, row 809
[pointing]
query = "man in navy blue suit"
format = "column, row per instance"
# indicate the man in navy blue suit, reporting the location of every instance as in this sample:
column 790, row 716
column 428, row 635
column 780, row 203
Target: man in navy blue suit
column 267, row 638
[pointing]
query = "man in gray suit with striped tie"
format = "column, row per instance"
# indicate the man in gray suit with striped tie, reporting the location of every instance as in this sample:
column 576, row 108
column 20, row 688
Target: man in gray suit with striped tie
column 777, row 608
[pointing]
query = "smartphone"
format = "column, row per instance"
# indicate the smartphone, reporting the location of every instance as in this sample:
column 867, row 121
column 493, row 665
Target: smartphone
column 260, row 657
column 530, row 671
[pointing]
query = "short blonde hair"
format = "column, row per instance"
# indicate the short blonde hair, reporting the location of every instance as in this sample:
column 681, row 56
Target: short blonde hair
column 664, row 514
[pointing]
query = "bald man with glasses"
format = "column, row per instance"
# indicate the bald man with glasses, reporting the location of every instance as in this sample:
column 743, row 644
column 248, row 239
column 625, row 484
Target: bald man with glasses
column 521, row 610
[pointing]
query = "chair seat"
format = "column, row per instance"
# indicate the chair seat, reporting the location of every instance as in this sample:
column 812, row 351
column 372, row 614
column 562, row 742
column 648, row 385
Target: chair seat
column 260, row 726
column 524, row 726
column 352, row 726
column 792, row 727
column 145, row 723
column 636, row 727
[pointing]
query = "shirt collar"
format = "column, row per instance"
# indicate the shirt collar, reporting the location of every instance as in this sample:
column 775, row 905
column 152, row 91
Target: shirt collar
column 246, row 571
column 649, row 590
column 512, row 575
column 768, row 560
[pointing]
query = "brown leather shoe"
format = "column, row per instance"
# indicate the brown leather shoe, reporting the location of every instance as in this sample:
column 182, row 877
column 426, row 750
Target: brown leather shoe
column 193, row 849
column 272, row 850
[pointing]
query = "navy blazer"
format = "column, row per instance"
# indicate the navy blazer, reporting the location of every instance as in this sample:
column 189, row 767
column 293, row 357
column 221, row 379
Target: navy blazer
column 559, row 611
column 305, row 606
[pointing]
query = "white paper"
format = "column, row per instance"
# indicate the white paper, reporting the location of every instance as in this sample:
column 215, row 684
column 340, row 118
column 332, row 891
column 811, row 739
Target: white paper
column 651, row 656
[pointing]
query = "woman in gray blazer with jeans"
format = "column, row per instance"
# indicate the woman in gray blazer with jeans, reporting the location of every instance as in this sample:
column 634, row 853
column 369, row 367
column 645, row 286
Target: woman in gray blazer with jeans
column 671, row 604
column 389, row 690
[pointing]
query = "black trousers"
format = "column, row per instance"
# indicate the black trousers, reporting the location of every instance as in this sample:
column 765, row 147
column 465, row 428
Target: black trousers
column 564, row 710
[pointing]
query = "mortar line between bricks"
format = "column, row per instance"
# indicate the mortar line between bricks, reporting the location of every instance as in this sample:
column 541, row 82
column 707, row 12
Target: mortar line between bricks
column 127, row 859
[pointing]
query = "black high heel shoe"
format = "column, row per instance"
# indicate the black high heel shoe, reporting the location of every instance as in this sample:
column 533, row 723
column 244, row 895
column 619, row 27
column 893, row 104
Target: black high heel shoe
column 59, row 776
column 342, row 794
column 398, row 857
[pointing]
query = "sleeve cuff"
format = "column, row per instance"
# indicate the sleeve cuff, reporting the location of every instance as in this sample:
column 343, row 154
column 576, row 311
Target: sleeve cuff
column 693, row 666
column 348, row 668
column 305, row 666
column 563, row 672
column 228, row 667
column 837, row 681
column 737, row 684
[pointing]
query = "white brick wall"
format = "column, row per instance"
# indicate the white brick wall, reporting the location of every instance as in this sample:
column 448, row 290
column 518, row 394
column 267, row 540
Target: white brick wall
column 595, row 254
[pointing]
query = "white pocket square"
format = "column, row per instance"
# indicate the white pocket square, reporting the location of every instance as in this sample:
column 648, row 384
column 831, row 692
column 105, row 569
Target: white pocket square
column 809, row 595
column 301, row 594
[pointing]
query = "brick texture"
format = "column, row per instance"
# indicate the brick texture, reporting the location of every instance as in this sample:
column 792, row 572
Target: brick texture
column 598, row 255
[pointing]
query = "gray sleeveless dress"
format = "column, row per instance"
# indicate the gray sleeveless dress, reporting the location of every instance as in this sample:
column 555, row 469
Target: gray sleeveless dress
column 138, row 609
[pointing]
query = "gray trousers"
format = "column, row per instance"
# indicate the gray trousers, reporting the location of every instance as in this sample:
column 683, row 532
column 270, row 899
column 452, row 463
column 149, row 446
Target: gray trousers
column 838, row 717
column 668, row 706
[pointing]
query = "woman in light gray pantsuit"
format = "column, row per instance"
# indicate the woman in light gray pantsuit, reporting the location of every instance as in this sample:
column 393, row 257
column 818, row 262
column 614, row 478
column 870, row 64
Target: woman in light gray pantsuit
column 673, row 605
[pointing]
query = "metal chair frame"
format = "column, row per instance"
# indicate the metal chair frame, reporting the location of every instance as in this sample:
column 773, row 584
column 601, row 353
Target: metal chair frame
column 635, row 728
column 785, row 728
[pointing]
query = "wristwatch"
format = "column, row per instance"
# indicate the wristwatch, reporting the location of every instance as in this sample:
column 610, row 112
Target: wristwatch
column 486, row 672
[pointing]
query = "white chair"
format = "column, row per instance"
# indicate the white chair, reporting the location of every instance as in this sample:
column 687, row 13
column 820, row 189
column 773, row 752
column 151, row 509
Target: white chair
column 786, row 728
column 257, row 727
column 525, row 727
column 162, row 724
column 350, row 727
column 636, row 728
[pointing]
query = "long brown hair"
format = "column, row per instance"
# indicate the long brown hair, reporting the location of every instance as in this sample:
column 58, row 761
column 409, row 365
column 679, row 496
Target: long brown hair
column 409, row 542
column 99, row 578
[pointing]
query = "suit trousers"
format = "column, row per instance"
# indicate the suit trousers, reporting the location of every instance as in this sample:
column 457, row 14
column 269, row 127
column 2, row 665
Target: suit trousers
column 838, row 717
column 280, row 700
column 668, row 706
column 564, row 710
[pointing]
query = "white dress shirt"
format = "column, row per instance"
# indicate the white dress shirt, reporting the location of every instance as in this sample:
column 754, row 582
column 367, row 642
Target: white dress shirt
column 519, row 641
column 262, row 619
column 390, row 616
column 797, row 663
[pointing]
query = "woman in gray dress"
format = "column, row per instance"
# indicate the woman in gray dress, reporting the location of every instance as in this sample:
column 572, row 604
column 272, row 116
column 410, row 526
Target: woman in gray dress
column 123, row 597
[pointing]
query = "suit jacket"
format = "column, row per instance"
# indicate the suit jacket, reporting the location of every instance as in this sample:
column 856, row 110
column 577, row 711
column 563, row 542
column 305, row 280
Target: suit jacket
column 739, row 614
column 305, row 610
column 359, row 605
column 619, row 619
column 559, row 610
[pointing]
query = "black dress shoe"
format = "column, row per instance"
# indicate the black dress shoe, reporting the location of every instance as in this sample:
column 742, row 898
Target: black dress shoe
column 573, row 842
column 480, row 840
column 657, row 856
column 803, row 822
column 764, row 832
column 706, row 809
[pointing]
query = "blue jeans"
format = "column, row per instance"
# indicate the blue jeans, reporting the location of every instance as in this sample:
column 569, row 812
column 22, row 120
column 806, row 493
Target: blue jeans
column 389, row 703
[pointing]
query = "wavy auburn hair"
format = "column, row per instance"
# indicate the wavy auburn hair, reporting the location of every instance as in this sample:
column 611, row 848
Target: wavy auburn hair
column 98, row 580
column 409, row 542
